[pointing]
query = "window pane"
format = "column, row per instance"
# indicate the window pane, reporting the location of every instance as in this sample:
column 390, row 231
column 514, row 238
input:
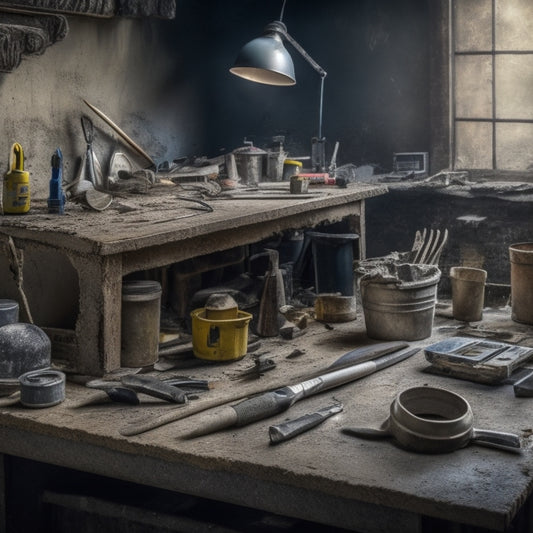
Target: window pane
column 473, row 25
column 473, row 145
column 514, row 25
column 513, row 146
column 473, row 86
column 514, row 86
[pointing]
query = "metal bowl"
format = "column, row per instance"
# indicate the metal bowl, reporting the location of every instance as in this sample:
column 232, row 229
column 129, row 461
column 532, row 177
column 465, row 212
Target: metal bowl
column 431, row 420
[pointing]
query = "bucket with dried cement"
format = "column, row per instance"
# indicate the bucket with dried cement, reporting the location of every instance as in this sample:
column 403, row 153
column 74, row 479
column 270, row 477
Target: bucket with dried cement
column 468, row 293
column 521, row 256
column 399, row 301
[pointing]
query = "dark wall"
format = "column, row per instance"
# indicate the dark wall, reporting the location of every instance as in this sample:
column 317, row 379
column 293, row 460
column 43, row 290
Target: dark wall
column 481, row 228
column 376, row 92
column 167, row 84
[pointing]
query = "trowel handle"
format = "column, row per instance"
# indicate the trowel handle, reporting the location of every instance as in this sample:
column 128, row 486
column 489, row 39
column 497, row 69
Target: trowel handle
column 496, row 439
column 367, row 433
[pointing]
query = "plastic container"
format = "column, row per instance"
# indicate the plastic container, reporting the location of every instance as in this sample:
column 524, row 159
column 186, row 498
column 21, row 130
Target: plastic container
column 401, row 310
column 333, row 262
column 16, row 186
column 291, row 168
column 219, row 340
column 521, row 256
column 468, row 293
column 141, row 312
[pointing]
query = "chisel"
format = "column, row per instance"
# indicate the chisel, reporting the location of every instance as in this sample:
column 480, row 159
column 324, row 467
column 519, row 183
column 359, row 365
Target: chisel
column 274, row 402
column 297, row 426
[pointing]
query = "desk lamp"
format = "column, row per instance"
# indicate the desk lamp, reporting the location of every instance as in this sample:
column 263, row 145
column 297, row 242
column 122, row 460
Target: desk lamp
column 266, row 60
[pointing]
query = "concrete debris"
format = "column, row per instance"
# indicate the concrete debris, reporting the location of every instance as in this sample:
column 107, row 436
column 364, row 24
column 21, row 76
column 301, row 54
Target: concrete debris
column 402, row 275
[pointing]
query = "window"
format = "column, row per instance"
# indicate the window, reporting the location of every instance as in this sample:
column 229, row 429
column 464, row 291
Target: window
column 492, row 73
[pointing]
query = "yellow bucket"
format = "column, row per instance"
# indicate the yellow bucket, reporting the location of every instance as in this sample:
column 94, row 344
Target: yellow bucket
column 219, row 340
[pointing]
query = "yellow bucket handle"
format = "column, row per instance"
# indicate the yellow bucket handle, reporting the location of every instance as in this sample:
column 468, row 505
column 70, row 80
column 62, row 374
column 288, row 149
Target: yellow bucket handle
column 16, row 157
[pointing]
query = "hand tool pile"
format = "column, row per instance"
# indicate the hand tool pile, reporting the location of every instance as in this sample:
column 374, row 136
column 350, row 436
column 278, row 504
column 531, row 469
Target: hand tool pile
column 423, row 419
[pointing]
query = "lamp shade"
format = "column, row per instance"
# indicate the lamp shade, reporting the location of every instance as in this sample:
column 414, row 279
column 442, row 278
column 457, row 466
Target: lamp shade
column 265, row 60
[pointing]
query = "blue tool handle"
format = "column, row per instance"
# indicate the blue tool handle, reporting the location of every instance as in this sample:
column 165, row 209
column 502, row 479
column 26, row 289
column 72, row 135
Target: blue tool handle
column 56, row 199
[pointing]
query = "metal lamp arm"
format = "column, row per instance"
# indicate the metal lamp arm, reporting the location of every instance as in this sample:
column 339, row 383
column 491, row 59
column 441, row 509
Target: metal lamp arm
column 321, row 72
column 280, row 28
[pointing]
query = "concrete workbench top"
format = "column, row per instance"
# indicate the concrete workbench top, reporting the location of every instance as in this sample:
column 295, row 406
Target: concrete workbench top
column 166, row 214
column 322, row 475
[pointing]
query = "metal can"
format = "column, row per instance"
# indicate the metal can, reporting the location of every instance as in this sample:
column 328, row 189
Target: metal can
column 140, row 317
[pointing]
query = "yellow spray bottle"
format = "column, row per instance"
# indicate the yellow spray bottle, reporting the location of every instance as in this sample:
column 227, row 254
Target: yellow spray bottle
column 16, row 191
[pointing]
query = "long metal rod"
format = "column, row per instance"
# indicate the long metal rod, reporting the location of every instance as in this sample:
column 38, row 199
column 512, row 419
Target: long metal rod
column 321, row 107
column 282, row 11
column 321, row 72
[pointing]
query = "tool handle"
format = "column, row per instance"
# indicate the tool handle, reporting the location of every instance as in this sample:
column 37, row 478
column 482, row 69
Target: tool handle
column 215, row 420
column 263, row 406
column 155, row 387
column 496, row 439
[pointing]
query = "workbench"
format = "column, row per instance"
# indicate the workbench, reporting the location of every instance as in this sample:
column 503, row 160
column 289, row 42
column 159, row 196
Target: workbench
column 322, row 476
column 147, row 231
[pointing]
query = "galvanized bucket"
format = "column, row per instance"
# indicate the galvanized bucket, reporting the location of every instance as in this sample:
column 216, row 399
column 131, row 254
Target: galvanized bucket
column 400, row 310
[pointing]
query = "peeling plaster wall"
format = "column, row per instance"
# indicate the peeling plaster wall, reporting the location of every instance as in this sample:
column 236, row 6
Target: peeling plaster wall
column 122, row 67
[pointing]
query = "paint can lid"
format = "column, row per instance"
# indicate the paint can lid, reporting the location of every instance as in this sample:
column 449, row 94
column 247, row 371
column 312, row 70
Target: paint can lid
column 141, row 288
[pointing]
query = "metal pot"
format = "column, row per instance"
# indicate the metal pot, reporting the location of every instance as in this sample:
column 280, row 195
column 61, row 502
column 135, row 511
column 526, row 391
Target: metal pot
column 432, row 420
column 250, row 161
column 23, row 347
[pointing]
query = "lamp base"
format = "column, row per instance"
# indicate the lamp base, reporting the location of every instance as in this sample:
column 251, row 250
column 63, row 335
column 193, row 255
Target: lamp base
column 318, row 154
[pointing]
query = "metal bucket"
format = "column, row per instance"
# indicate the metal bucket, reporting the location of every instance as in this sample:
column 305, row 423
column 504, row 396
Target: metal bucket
column 521, row 256
column 250, row 161
column 400, row 311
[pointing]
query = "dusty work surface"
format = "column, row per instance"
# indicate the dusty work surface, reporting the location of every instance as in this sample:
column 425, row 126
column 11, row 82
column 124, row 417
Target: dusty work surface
column 322, row 475
column 167, row 214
